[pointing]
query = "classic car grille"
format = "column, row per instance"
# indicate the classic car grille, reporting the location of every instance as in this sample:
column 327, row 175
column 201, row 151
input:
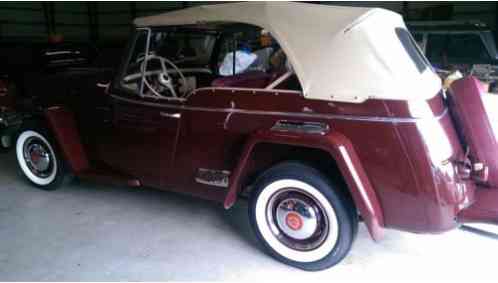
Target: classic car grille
column 10, row 118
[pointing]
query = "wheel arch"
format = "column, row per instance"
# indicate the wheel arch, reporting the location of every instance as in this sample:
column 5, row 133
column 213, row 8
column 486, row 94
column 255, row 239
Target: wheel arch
column 341, row 156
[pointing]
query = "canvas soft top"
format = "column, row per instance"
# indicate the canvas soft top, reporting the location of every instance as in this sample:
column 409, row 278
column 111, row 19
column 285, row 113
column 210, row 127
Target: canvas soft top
column 338, row 53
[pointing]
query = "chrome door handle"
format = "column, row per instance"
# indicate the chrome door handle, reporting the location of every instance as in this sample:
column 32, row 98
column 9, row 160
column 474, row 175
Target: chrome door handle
column 171, row 115
column 103, row 85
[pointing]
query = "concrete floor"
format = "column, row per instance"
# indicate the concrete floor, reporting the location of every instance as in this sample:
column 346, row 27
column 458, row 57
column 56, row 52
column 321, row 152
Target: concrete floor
column 93, row 232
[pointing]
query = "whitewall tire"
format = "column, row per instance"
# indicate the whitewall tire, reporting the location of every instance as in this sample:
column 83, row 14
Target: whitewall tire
column 38, row 158
column 301, row 218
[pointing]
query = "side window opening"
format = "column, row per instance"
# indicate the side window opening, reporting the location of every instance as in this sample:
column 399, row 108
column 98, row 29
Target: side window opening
column 412, row 49
column 419, row 39
column 171, row 62
column 252, row 58
column 131, row 80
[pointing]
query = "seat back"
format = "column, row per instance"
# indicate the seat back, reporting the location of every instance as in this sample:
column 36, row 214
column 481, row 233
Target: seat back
column 251, row 79
column 475, row 125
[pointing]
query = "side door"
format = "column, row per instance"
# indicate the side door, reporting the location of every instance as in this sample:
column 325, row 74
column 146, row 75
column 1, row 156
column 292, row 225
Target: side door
column 207, row 151
column 143, row 138
column 140, row 126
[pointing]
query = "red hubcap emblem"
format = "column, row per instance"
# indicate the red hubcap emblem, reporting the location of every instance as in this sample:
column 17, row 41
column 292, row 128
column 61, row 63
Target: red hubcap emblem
column 35, row 157
column 294, row 221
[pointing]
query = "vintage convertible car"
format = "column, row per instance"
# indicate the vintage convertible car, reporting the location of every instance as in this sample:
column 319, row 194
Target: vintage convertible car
column 350, row 123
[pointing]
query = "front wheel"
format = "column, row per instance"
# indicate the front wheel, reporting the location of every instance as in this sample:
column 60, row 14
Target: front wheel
column 301, row 218
column 38, row 158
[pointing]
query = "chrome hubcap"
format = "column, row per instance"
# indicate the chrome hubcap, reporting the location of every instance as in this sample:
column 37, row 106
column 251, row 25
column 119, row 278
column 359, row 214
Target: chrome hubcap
column 297, row 219
column 37, row 157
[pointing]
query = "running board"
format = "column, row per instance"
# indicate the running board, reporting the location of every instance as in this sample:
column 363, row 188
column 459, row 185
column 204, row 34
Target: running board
column 483, row 210
column 109, row 177
column 479, row 232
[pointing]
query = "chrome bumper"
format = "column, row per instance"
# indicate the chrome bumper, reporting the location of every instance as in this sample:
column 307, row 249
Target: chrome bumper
column 9, row 118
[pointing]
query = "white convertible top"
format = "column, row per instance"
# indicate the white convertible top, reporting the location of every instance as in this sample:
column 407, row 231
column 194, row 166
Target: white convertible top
column 338, row 53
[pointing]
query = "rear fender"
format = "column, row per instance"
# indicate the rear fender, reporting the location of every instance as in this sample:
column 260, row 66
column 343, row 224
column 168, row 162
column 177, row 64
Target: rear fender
column 342, row 151
column 63, row 125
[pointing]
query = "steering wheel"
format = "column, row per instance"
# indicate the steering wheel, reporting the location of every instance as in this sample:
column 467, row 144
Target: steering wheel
column 163, row 78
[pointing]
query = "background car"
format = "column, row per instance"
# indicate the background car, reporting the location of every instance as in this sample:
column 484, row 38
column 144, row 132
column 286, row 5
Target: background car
column 35, row 76
column 467, row 46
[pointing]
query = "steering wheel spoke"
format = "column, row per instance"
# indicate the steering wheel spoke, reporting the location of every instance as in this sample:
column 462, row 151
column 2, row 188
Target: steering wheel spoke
column 164, row 80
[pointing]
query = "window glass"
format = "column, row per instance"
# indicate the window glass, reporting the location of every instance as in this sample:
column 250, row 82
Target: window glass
column 412, row 49
column 183, row 48
column 166, row 50
column 250, row 57
column 419, row 39
column 176, row 62
column 172, row 62
column 132, row 77
column 253, row 50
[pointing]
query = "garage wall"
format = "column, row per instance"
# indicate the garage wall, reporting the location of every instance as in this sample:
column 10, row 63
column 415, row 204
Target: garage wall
column 22, row 19
column 110, row 21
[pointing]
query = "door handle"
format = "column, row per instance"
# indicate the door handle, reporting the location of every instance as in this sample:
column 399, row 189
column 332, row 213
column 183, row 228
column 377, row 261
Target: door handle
column 171, row 115
column 103, row 85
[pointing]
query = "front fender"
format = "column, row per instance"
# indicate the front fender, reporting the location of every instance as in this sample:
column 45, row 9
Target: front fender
column 344, row 154
column 63, row 125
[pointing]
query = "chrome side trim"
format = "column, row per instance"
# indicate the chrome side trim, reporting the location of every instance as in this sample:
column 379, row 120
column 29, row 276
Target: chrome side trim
column 217, row 178
column 254, row 90
column 394, row 120
column 313, row 128
column 171, row 115
column 10, row 118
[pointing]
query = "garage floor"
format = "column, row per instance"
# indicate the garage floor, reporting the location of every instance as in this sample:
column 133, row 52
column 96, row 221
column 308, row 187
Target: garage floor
column 93, row 232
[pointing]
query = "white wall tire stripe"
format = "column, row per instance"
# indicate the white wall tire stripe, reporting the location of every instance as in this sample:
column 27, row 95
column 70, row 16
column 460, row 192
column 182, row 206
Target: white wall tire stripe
column 295, row 255
column 24, row 166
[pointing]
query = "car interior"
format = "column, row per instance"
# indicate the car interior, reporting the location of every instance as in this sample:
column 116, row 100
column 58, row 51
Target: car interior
column 172, row 62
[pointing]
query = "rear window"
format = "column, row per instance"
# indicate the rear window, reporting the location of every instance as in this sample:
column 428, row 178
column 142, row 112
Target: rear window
column 412, row 49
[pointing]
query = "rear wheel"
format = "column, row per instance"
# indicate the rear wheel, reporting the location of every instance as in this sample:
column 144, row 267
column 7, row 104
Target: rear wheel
column 301, row 218
column 39, row 159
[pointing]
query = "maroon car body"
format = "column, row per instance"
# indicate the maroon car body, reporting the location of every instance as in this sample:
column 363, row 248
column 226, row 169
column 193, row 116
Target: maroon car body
column 218, row 142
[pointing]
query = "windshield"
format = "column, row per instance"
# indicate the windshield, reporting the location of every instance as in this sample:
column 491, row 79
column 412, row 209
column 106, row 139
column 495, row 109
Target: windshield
column 184, row 48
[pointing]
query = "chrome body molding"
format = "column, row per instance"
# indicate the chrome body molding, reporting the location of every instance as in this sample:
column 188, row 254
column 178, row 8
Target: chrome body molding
column 314, row 128
column 171, row 115
column 394, row 120
column 10, row 118
column 217, row 178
